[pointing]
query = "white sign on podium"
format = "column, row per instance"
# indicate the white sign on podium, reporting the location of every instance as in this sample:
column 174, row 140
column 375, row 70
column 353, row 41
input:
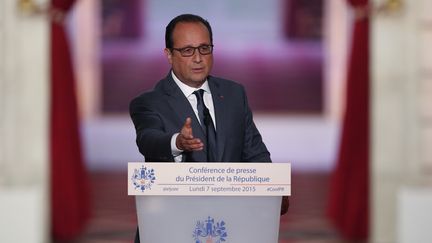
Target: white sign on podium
column 208, row 202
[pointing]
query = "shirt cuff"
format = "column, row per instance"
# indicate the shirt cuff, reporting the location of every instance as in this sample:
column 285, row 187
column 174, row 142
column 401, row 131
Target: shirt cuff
column 176, row 153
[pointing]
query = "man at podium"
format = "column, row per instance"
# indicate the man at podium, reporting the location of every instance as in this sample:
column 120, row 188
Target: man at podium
column 191, row 116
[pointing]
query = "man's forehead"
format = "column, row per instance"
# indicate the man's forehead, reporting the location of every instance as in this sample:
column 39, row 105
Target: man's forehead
column 181, row 26
column 185, row 32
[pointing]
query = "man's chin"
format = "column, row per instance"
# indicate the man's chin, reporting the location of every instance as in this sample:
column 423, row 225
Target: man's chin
column 198, row 83
column 199, row 79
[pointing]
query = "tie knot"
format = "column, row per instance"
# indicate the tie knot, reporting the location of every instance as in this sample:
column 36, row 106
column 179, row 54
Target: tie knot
column 199, row 94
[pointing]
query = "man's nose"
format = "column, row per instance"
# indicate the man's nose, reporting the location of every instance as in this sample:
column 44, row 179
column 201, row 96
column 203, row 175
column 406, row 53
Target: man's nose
column 197, row 56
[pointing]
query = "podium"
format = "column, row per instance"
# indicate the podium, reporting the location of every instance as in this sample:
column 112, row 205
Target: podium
column 211, row 204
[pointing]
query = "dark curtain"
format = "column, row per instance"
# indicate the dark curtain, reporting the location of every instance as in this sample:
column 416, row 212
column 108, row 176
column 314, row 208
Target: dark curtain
column 69, row 185
column 348, row 204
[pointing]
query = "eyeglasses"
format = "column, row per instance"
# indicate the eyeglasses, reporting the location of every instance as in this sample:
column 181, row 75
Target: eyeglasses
column 190, row 51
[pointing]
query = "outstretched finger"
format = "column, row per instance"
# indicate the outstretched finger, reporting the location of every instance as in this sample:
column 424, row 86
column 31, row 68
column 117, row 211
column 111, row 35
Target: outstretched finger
column 194, row 144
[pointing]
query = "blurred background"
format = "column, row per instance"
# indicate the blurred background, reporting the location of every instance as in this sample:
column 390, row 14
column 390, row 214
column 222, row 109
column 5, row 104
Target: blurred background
column 339, row 89
column 276, row 49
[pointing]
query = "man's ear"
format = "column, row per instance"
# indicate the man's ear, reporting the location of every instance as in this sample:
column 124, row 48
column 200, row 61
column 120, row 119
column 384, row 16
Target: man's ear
column 168, row 54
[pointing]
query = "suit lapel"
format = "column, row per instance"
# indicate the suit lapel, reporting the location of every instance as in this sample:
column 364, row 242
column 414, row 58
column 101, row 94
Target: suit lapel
column 182, row 108
column 221, row 118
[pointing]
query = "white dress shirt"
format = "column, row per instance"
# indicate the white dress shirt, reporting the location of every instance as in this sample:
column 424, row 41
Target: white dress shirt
column 188, row 93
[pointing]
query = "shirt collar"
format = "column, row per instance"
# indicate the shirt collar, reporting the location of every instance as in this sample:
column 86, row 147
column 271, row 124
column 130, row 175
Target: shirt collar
column 187, row 90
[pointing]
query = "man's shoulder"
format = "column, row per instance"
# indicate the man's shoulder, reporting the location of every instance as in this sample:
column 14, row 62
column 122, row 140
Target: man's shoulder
column 225, row 83
column 148, row 95
column 144, row 99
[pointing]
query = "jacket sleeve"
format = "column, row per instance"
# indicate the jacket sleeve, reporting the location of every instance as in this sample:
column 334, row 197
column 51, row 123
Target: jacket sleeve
column 254, row 149
column 152, row 140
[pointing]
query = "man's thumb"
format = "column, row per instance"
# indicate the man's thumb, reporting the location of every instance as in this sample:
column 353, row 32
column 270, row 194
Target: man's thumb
column 188, row 123
column 187, row 128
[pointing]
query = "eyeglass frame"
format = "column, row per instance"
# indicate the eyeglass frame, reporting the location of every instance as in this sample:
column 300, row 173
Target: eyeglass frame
column 194, row 48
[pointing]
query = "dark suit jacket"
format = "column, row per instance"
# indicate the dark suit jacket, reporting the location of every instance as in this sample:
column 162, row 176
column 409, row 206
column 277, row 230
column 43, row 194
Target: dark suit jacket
column 160, row 113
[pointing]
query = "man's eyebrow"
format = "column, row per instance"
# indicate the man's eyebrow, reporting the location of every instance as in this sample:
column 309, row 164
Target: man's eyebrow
column 202, row 44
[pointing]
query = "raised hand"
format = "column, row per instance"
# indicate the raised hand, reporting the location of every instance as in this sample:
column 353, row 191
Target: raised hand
column 185, row 140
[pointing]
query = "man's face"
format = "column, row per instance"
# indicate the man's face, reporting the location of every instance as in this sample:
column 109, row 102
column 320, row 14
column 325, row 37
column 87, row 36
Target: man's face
column 191, row 70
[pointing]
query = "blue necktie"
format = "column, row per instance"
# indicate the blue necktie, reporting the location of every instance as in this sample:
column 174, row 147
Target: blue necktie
column 208, row 127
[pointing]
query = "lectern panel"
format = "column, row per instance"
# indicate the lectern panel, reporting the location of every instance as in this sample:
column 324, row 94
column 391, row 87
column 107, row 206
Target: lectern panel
column 208, row 219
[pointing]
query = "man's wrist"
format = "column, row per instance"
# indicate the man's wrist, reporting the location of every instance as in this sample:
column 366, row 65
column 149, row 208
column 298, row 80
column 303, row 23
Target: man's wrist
column 175, row 151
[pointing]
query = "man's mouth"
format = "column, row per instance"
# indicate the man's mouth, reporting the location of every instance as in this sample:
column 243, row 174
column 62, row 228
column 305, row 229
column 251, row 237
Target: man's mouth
column 197, row 70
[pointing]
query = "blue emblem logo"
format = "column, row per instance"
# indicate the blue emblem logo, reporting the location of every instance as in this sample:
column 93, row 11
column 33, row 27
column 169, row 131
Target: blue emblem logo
column 208, row 231
column 143, row 178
